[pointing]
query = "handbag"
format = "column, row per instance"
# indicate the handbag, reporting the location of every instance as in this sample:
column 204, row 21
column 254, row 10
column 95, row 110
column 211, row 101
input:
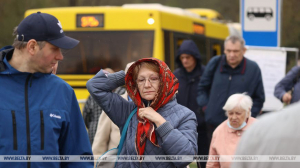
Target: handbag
column 102, row 162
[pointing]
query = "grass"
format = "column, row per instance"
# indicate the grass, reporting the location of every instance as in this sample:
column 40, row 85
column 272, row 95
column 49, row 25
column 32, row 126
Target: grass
column 193, row 165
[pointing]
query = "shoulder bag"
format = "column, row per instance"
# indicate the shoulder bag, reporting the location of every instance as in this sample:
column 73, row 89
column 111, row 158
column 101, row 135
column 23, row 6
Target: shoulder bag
column 104, row 161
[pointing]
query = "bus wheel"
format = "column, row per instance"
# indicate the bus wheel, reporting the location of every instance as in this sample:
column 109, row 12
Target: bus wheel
column 251, row 17
column 268, row 17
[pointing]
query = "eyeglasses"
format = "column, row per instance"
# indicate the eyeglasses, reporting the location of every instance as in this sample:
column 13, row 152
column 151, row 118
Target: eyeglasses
column 152, row 80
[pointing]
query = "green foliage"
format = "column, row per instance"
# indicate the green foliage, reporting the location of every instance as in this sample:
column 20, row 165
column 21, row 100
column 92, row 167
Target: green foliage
column 12, row 13
column 290, row 23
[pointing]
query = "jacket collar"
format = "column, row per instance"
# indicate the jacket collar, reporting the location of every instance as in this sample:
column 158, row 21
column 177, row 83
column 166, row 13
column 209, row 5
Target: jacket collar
column 8, row 50
column 240, row 69
column 197, row 71
column 6, row 68
column 169, row 105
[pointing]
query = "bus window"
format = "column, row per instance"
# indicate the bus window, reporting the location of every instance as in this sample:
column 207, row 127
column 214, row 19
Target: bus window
column 202, row 44
column 169, row 49
column 216, row 49
column 98, row 50
column 268, row 10
column 250, row 10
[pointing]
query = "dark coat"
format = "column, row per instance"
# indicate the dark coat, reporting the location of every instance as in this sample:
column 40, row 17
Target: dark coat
column 188, row 82
column 219, row 81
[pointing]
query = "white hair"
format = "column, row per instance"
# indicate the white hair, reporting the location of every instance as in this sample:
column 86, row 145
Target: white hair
column 239, row 100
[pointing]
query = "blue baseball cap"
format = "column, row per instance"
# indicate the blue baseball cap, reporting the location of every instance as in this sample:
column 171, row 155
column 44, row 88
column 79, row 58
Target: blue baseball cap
column 44, row 27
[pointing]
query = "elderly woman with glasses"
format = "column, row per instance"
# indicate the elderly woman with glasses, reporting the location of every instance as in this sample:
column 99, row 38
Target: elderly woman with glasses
column 227, row 135
column 161, row 126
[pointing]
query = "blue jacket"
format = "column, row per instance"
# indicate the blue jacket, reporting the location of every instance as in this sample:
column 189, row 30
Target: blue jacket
column 188, row 81
column 177, row 136
column 39, row 116
column 220, row 81
column 287, row 83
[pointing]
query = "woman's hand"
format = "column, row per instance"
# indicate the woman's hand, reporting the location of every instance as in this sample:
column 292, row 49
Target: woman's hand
column 151, row 115
column 286, row 98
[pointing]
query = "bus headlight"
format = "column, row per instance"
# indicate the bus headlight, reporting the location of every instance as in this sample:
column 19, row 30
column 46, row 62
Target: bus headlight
column 150, row 21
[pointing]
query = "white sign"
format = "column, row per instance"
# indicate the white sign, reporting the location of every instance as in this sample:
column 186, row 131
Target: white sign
column 260, row 15
column 272, row 64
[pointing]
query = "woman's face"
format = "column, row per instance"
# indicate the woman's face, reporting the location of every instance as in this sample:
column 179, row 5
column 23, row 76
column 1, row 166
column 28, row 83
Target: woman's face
column 236, row 117
column 148, row 83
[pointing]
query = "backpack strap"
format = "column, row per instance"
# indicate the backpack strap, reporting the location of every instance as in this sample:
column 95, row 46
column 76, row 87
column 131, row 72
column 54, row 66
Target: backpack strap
column 216, row 66
column 218, row 62
column 124, row 130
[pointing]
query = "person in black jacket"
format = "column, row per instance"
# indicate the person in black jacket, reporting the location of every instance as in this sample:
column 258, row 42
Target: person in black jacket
column 188, row 74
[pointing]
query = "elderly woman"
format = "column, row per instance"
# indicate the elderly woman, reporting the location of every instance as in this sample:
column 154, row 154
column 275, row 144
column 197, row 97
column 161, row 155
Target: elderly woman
column 161, row 126
column 227, row 135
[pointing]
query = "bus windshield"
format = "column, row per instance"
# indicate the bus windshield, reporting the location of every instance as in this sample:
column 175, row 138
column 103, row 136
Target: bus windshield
column 105, row 49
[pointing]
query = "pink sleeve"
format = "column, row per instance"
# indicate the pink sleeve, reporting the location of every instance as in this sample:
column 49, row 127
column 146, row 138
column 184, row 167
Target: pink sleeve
column 212, row 152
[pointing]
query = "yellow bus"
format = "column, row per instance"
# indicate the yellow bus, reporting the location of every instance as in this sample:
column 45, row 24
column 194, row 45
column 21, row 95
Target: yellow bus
column 112, row 36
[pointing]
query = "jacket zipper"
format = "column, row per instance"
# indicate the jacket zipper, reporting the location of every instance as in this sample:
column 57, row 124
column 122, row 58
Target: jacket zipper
column 27, row 119
column 230, row 77
column 42, row 129
column 14, row 129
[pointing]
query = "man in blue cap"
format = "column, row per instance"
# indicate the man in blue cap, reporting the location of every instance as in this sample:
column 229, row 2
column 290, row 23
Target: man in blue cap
column 188, row 74
column 39, row 111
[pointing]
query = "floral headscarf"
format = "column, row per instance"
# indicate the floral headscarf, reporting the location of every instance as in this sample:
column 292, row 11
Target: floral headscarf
column 167, row 88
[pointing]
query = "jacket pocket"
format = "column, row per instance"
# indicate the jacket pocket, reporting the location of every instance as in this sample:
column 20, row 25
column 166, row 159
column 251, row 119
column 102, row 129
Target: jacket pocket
column 14, row 129
column 42, row 129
